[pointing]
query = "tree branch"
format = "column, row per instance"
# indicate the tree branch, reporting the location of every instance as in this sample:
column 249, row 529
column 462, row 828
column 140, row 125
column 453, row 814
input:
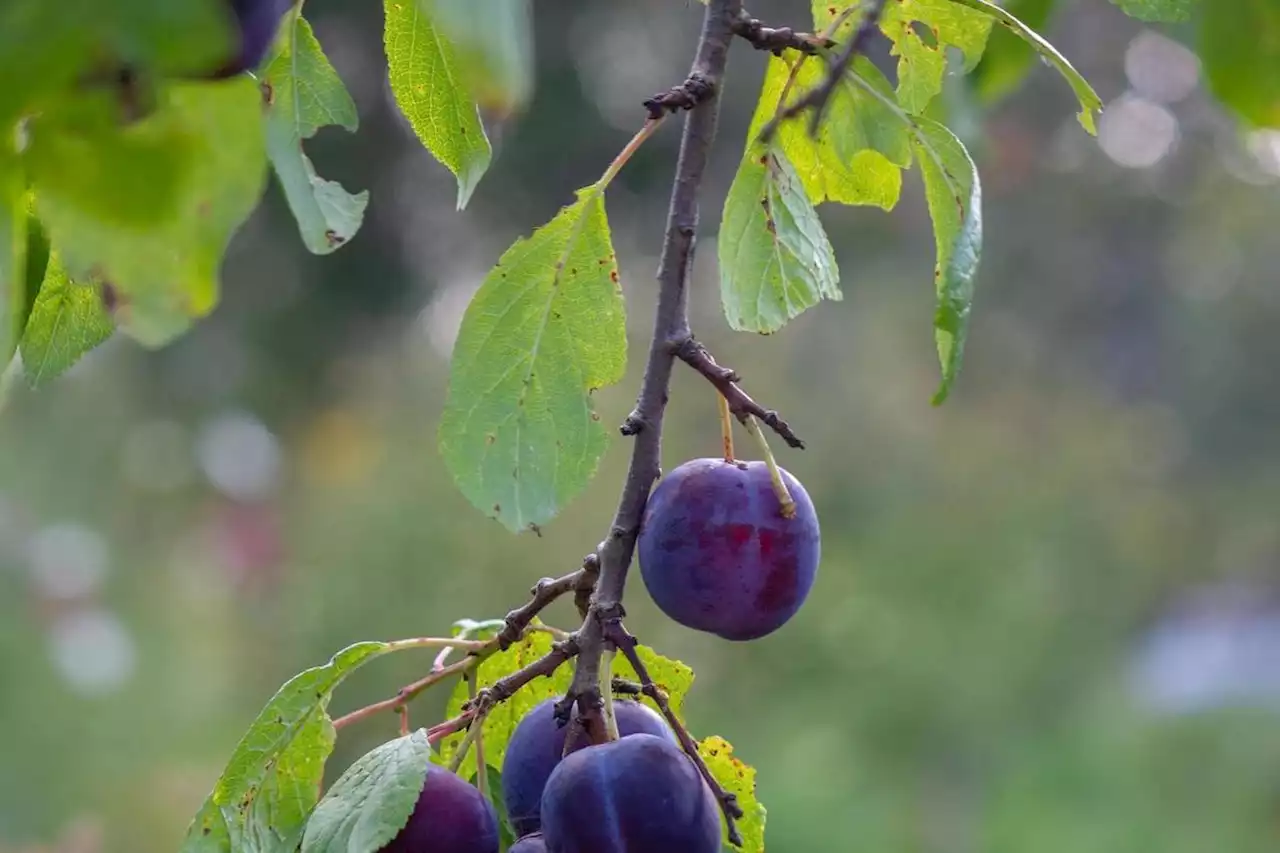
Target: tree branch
column 626, row 643
column 670, row 329
column 776, row 39
column 726, row 380
column 816, row 99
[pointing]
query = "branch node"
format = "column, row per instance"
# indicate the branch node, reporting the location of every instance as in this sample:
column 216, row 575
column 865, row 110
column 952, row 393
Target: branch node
column 776, row 39
column 726, row 380
column 633, row 424
column 696, row 89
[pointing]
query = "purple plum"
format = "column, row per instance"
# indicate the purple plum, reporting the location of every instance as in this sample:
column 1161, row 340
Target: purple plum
column 449, row 817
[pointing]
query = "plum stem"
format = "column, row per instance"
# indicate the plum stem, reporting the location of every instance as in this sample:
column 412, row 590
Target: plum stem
column 606, row 679
column 699, row 94
column 726, row 426
column 728, row 801
column 482, row 769
column 473, row 732
column 788, row 508
column 725, row 380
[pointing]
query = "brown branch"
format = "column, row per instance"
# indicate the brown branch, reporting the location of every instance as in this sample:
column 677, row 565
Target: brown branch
column 817, row 98
column 587, row 585
column 693, row 91
column 726, row 381
column 408, row 692
column 728, row 801
column 776, row 39
column 670, row 327
column 543, row 593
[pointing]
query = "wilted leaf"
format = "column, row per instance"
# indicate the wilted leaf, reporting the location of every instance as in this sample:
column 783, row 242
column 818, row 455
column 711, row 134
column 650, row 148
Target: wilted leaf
column 304, row 94
column 739, row 779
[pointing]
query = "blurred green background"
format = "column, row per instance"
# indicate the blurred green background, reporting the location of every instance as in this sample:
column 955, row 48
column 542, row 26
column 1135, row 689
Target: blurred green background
column 1048, row 613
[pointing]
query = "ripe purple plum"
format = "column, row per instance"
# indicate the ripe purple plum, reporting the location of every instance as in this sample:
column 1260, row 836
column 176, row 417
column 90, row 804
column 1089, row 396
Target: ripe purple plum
column 449, row 817
column 638, row 794
column 717, row 554
column 256, row 23
column 530, row 844
column 537, row 746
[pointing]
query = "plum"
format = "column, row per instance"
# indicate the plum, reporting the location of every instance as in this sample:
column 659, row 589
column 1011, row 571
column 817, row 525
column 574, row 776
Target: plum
column 716, row 553
column 537, row 746
column 256, row 23
column 449, row 817
column 532, row 843
column 638, row 794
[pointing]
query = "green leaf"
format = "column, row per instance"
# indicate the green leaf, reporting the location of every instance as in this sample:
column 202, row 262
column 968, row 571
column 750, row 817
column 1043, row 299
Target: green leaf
column 470, row 629
column 954, row 195
column 1240, row 48
column 37, row 263
column 371, row 802
column 428, row 83
column 1090, row 103
column 45, row 47
column 739, row 779
column 493, row 42
column 167, row 274
column 270, row 785
column 1168, row 11
column 504, row 718
column 306, row 94
column 671, row 676
column 14, row 251
column 546, row 329
column 860, row 147
column 67, row 320
column 921, row 62
column 775, row 260
column 1008, row 58
column 82, row 155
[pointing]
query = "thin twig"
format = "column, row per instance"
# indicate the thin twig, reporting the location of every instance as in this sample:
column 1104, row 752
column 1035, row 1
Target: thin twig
column 408, row 692
column 726, row 381
column 404, row 720
column 728, row 801
column 670, row 326
column 482, row 769
column 817, row 98
column 543, row 593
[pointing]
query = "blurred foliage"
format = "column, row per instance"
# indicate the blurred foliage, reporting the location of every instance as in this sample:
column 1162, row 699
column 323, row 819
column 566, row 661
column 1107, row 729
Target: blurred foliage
column 962, row 678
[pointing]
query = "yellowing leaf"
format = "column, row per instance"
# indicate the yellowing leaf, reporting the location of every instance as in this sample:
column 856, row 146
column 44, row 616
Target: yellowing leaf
column 775, row 259
column 429, row 86
column 738, row 779
column 306, row 94
column 546, row 329
column 860, row 147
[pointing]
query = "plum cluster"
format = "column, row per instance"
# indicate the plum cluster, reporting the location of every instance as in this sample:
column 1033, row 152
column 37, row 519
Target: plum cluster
column 718, row 554
column 637, row 794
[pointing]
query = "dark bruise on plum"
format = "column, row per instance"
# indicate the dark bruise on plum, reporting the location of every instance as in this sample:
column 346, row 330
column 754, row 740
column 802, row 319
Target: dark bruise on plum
column 717, row 555
column 449, row 817
column 639, row 794
column 537, row 746
column 256, row 23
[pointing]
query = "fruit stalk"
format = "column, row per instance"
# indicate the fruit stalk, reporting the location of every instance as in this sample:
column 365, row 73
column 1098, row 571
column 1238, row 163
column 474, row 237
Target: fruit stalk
column 788, row 508
column 726, row 426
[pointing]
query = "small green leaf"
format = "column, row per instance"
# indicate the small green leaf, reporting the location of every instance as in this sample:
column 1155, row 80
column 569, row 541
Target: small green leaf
column 493, row 41
column 371, row 802
column 82, row 155
column 546, row 329
column 1008, row 58
column 14, row 251
column 67, row 320
column 1240, row 48
column 168, row 274
column 860, row 147
column 954, row 195
column 504, row 718
column 740, row 780
column 1168, row 11
column 1090, row 103
column 922, row 58
column 37, row 262
column 428, row 83
column 304, row 95
column 271, row 783
column 470, row 629
column 775, row 259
